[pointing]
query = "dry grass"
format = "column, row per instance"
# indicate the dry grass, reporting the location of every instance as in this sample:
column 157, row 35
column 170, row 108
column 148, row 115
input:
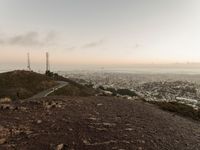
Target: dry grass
column 23, row 84
column 75, row 90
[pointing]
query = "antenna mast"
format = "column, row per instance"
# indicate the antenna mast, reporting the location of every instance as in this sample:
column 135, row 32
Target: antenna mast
column 47, row 62
column 28, row 62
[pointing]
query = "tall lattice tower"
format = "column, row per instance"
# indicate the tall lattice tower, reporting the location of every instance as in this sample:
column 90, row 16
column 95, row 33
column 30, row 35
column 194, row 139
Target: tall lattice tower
column 28, row 62
column 47, row 62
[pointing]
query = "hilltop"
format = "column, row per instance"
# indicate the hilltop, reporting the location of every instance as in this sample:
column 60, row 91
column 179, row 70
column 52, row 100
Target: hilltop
column 22, row 84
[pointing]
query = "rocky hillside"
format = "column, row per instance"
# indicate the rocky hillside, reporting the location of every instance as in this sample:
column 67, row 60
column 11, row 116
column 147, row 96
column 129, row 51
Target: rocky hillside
column 93, row 123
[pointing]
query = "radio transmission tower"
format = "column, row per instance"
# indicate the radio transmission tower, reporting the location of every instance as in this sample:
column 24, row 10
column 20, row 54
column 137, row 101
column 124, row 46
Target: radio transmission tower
column 28, row 62
column 47, row 62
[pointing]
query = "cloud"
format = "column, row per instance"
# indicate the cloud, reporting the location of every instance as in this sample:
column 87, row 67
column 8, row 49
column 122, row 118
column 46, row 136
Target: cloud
column 29, row 39
column 137, row 46
column 71, row 48
column 87, row 45
column 93, row 44
column 1, row 41
column 50, row 37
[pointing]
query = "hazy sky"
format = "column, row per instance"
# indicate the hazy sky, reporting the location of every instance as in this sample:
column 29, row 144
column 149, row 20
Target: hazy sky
column 102, row 32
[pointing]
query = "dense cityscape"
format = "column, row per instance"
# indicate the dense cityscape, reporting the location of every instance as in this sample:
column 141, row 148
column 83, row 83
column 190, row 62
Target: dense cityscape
column 153, row 87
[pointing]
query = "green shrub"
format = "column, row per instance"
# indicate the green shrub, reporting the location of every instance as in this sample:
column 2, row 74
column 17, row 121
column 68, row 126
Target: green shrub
column 126, row 92
column 179, row 108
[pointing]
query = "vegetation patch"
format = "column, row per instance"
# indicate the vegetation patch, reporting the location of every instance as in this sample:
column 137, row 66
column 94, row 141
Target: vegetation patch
column 181, row 109
column 74, row 90
column 119, row 91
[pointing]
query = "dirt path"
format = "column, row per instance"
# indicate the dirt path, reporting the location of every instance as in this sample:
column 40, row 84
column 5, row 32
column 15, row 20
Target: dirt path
column 49, row 91
column 100, row 123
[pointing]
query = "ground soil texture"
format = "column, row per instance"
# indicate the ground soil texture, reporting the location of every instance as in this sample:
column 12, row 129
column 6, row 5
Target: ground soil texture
column 90, row 123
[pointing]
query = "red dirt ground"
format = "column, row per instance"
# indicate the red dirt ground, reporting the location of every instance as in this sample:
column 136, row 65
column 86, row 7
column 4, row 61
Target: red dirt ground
column 90, row 123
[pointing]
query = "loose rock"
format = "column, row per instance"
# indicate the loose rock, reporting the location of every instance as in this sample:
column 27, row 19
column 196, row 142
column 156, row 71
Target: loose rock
column 2, row 141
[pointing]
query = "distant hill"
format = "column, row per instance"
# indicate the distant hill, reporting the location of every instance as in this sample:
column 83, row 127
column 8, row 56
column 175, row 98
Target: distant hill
column 22, row 84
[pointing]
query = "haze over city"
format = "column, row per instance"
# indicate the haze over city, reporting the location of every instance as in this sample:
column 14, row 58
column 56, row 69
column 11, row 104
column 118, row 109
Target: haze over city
column 99, row 33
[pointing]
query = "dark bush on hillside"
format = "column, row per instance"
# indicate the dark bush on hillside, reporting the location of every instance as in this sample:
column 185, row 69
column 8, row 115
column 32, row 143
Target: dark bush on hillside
column 51, row 74
column 90, row 85
column 180, row 109
column 120, row 91
column 101, row 87
column 114, row 92
column 126, row 92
